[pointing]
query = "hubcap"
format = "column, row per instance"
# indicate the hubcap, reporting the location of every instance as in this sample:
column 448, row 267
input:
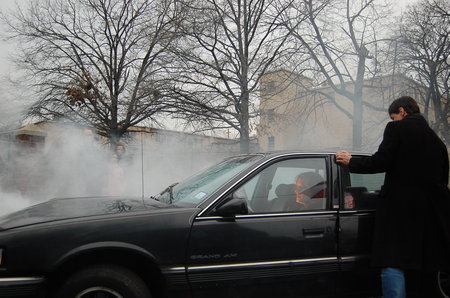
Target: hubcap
column 99, row 292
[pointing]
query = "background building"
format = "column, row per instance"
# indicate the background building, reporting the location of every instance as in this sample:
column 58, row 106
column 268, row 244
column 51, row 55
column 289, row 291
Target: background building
column 295, row 114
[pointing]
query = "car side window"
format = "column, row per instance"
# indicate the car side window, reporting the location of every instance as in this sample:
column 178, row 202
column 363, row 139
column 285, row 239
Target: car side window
column 362, row 190
column 293, row 185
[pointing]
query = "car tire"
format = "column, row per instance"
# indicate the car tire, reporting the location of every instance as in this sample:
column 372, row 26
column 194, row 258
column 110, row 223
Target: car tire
column 443, row 284
column 107, row 280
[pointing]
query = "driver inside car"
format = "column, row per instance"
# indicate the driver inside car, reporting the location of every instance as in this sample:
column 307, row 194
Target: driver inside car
column 309, row 190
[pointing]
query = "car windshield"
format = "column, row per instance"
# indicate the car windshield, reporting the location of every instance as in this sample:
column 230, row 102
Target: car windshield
column 196, row 189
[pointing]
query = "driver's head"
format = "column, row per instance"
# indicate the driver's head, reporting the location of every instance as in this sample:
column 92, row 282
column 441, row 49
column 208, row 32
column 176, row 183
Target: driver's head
column 304, row 185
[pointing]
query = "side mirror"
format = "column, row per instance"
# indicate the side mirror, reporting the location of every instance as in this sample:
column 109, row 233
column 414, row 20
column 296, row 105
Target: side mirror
column 231, row 207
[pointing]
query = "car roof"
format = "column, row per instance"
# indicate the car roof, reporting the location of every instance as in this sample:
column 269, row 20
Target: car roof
column 319, row 152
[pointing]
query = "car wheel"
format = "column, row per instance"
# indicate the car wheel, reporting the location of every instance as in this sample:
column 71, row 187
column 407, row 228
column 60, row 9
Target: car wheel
column 443, row 279
column 108, row 281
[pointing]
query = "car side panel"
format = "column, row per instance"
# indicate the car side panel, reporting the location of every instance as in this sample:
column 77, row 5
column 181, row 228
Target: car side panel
column 252, row 256
column 156, row 236
column 358, row 196
column 357, row 276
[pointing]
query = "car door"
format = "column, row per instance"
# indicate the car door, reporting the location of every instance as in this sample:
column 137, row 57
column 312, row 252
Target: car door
column 359, row 194
column 281, row 247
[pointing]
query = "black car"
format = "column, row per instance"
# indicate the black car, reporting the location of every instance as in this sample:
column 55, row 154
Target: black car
column 285, row 224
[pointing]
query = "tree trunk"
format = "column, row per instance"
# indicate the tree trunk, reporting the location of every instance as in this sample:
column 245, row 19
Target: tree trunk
column 245, row 127
column 357, row 123
column 357, row 102
column 245, row 142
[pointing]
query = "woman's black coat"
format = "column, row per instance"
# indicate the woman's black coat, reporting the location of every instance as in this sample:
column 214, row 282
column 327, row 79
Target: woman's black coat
column 412, row 229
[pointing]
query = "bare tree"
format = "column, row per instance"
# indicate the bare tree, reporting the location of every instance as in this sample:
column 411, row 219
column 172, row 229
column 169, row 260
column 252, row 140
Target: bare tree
column 96, row 62
column 340, row 37
column 423, row 51
column 229, row 45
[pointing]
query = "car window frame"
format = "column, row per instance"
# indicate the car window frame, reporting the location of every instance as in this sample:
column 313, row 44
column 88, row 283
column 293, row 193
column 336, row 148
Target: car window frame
column 344, row 177
column 228, row 189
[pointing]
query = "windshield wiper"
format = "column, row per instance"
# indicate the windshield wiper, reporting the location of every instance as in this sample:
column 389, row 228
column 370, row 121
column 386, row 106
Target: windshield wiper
column 154, row 198
column 169, row 190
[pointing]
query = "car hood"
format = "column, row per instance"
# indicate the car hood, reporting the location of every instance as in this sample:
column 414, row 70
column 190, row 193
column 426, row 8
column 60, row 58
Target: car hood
column 58, row 209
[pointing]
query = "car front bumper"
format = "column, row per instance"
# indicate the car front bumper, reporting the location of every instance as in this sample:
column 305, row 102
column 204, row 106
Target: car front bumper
column 21, row 286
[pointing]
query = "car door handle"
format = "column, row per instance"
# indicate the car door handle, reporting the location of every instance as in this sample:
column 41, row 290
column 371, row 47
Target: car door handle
column 314, row 233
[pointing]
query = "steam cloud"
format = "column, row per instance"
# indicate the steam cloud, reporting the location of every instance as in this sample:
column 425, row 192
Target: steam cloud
column 73, row 163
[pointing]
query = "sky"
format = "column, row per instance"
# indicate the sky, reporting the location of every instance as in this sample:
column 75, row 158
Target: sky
column 6, row 48
column 13, row 99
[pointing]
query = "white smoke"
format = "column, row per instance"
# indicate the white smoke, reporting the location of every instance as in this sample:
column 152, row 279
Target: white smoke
column 73, row 162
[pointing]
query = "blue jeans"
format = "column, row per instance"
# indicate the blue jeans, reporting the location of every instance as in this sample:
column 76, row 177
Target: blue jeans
column 393, row 283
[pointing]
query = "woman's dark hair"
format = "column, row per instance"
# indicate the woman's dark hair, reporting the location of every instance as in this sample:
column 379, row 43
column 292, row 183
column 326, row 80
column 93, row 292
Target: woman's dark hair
column 407, row 103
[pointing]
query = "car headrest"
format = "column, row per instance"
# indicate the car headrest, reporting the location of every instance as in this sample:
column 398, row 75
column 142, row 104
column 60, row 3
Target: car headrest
column 283, row 190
